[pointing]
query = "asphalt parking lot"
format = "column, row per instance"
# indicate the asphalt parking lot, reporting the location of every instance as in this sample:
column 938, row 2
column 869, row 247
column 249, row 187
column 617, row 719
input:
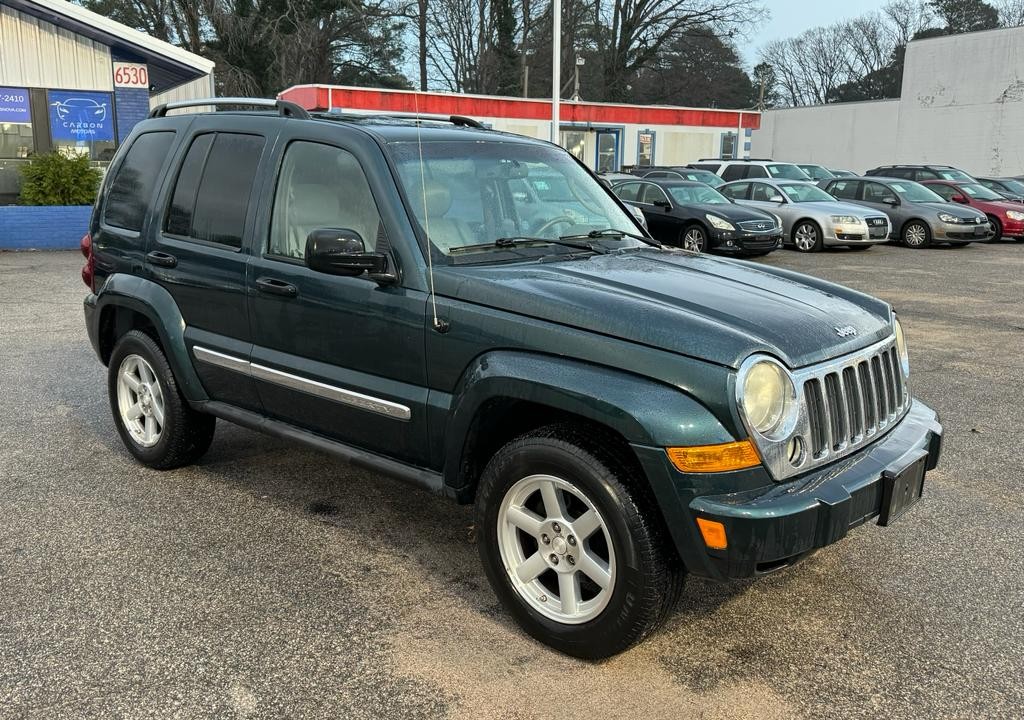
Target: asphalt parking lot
column 272, row 581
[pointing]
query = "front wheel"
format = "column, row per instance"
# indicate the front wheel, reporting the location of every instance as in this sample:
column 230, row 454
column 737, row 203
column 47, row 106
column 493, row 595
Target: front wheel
column 916, row 235
column 572, row 545
column 155, row 422
column 694, row 238
column 996, row 226
column 807, row 237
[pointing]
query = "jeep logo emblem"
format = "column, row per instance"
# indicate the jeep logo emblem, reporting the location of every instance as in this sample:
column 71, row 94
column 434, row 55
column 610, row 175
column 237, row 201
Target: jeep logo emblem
column 846, row 331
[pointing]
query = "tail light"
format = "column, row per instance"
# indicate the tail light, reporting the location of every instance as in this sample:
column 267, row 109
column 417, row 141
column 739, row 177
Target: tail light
column 89, row 269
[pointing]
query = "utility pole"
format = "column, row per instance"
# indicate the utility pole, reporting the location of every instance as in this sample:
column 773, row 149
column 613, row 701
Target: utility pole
column 739, row 132
column 422, row 32
column 556, row 66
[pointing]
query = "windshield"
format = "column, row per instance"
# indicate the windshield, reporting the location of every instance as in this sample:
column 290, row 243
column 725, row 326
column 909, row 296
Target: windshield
column 979, row 192
column 468, row 194
column 696, row 194
column 914, row 192
column 1013, row 186
column 958, row 175
column 800, row 193
column 817, row 172
column 703, row 176
column 786, row 171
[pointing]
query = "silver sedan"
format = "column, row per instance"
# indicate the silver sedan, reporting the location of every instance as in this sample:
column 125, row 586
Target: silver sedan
column 811, row 218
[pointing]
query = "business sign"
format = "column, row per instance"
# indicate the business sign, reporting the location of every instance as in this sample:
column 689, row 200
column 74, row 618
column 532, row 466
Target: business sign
column 131, row 75
column 81, row 116
column 14, row 105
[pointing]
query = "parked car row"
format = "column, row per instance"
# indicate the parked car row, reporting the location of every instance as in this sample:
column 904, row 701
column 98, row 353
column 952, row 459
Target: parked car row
column 813, row 207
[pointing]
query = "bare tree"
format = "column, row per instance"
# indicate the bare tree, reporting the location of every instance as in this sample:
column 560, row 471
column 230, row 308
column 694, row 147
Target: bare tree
column 1011, row 12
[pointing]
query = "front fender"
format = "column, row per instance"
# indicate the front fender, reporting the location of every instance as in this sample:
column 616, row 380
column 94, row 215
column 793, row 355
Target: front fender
column 155, row 303
column 643, row 411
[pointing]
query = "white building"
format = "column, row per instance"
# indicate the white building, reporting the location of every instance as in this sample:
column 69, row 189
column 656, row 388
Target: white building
column 605, row 136
column 962, row 104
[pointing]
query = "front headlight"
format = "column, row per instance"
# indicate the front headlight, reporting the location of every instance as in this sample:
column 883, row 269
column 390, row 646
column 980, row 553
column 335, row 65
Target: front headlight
column 901, row 349
column 1014, row 215
column 847, row 219
column 767, row 398
column 947, row 218
column 718, row 222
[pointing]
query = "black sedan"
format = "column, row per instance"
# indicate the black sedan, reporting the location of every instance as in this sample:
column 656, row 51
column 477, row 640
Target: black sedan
column 697, row 217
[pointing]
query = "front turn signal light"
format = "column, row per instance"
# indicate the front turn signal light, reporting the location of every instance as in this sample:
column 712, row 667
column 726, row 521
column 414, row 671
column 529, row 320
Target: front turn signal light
column 714, row 458
column 713, row 533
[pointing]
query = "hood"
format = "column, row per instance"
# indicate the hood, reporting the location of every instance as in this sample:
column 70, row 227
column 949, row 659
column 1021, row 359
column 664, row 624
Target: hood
column 732, row 211
column 716, row 310
column 955, row 209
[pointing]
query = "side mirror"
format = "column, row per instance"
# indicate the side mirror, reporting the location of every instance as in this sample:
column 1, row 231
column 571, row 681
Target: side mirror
column 960, row 199
column 777, row 199
column 340, row 251
column 663, row 204
column 891, row 202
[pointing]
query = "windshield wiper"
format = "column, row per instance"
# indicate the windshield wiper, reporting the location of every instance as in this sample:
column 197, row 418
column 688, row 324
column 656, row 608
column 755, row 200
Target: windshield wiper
column 508, row 242
column 613, row 233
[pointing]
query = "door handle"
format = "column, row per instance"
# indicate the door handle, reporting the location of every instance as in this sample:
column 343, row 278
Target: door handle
column 162, row 259
column 276, row 287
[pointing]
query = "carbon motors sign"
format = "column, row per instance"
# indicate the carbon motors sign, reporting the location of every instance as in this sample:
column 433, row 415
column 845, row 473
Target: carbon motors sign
column 81, row 116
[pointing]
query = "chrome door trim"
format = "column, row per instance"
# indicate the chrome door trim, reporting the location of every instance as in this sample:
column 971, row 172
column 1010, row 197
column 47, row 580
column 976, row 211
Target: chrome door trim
column 312, row 387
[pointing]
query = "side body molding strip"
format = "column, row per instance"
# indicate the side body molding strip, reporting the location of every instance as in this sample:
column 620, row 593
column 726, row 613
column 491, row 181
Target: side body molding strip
column 313, row 387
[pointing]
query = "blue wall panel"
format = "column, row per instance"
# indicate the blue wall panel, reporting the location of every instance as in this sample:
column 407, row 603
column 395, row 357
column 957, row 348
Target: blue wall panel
column 45, row 227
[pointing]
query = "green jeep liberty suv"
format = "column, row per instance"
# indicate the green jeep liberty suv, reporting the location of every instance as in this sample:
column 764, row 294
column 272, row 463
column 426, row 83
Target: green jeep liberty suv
column 474, row 312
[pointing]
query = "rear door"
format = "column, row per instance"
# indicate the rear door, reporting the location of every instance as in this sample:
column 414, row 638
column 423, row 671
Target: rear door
column 341, row 356
column 198, row 254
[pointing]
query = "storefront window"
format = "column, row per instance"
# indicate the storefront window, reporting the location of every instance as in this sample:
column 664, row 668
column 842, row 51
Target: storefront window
column 15, row 123
column 575, row 141
column 645, row 148
column 82, row 122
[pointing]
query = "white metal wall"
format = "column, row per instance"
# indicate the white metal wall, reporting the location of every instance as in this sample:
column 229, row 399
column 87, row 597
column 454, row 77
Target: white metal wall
column 34, row 53
column 198, row 88
column 962, row 104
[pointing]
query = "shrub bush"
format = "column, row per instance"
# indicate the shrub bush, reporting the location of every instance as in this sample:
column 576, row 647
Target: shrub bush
column 59, row 179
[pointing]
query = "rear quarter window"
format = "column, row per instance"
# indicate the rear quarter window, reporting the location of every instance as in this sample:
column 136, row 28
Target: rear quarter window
column 131, row 189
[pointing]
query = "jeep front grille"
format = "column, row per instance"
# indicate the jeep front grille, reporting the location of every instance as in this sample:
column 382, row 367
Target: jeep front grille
column 848, row 405
column 845, row 404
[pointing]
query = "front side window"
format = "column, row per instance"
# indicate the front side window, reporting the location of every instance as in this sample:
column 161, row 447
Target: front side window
column 628, row 191
column 762, row 192
column 946, row 192
column 131, row 188
column 320, row 186
column 210, row 201
column 879, row 193
column 736, row 191
column 467, row 194
column 652, row 194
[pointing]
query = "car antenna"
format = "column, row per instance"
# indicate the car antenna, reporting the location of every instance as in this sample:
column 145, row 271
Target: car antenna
column 440, row 325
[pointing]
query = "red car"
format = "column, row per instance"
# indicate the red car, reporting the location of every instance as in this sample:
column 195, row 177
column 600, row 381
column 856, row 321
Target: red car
column 1005, row 217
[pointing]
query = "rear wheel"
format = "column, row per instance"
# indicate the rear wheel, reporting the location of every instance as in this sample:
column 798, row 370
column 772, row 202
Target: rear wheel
column 807, row 236
column 916, row 234
column 694, row 238
column 155, row 422
column 572, row 545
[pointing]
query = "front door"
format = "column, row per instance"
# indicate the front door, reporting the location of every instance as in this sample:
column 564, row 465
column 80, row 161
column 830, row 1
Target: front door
column 341, row 356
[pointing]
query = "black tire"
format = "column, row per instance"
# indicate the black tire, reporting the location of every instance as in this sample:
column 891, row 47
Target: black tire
column 699, row 235
column 648, row 577
column 997, row 228
column 909, row 232
column 186, row 434
column 808, row 226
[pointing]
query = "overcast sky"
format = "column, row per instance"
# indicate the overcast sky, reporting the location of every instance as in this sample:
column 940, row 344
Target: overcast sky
column 791, row 17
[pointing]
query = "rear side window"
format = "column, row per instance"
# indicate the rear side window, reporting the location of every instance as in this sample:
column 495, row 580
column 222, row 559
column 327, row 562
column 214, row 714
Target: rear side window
column 132, row 187
column 844, row 189
column 756, row 171
column 211, row 196
column 735, row 172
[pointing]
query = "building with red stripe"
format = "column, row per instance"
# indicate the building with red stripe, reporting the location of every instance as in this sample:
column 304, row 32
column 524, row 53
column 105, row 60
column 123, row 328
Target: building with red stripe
column 606, row 136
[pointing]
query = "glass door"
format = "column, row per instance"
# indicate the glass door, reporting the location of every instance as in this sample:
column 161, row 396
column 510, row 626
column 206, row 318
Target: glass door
column 607, row 151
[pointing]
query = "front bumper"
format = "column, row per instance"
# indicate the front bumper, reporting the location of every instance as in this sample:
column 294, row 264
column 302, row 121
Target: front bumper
column 855, row 234
column 1013, row 228
column 776, row 525
column 960, row 233
column 744, row 241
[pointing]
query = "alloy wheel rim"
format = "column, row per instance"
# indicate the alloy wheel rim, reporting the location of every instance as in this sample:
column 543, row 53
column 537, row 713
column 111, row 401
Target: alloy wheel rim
column 915, row 235
column 140, row 401
column 556, row 549
column 806, row 237
column 693, row 240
